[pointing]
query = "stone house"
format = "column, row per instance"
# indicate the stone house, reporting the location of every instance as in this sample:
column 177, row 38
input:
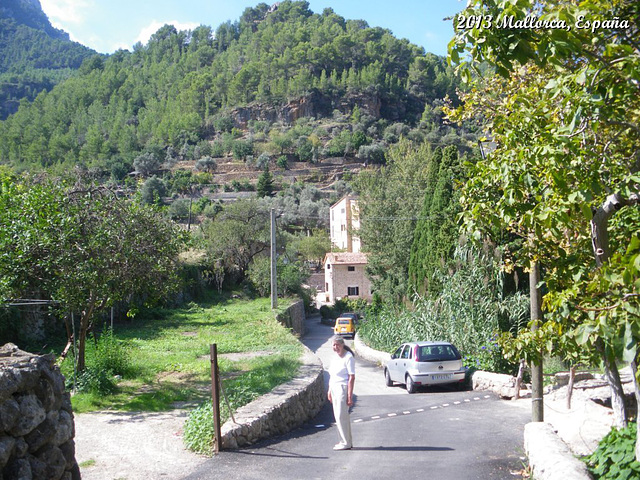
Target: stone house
column 344, row 272
column 345, row 276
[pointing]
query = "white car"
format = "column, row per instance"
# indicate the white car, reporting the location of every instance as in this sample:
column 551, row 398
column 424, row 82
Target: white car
column 425, row 363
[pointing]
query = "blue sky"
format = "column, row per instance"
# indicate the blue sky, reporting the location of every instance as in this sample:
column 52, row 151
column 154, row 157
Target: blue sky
column 107, row 25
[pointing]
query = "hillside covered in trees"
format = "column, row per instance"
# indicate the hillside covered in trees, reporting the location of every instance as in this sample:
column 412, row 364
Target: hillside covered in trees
column 34, row 56
column 279, row 82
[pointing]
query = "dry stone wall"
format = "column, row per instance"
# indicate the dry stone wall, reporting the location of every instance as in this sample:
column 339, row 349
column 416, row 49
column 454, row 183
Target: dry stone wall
column 293, row 318
column 36, row 420
column 280, row 411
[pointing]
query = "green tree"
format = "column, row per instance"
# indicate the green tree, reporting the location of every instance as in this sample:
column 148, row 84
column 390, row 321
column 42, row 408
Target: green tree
column 390, row 199
column 562, row 109
column 236, row 236
column 84, row 248
column 437, row 232
column 312, row 248
column 264, row 187
column 152, row 192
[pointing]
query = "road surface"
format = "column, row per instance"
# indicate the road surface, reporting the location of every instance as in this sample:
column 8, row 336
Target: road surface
column 437, row 433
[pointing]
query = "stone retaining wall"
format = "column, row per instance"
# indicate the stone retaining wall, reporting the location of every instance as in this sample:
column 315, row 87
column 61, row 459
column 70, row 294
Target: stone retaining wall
column 293, row 318
column 283, row 409
column 549, row 457
column 500, row 383
column 36, row 420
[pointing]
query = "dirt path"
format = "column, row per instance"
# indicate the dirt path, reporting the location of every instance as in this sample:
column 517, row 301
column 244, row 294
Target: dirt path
column 133, row 446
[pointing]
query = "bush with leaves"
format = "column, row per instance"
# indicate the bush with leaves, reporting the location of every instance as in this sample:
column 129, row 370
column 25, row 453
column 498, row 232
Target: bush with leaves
column 106, row 358
column 146, row 162
column 614, row 459
column 153, row 190
column 179, row 209
column 282, row 162
column 206, row 164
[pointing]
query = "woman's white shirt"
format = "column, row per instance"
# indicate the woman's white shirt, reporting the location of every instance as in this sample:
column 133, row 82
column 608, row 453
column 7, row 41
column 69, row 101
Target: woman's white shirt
column 341, row 367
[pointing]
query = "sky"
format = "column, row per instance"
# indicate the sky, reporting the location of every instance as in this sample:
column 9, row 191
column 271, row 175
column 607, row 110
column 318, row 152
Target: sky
column 108, row 25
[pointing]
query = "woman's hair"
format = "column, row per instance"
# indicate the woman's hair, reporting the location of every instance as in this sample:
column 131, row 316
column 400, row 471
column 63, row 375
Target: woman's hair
column 340, row 340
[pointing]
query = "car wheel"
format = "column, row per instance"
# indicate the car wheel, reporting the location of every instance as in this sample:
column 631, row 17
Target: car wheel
column 387, row 378
column 411, row 387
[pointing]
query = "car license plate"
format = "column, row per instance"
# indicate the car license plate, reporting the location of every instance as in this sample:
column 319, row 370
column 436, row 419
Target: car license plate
column 447, row 376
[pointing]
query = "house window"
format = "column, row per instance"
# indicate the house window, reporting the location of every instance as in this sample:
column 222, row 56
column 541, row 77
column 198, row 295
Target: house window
column 328, row 266
column 351, row 268
column 326, row 287
column 353, row 291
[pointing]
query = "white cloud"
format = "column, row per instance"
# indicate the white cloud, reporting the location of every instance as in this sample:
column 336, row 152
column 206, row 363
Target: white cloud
column 63, row 12
column 146, row 32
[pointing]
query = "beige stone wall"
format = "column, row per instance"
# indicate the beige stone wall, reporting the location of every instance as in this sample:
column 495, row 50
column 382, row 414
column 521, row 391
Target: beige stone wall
column 280, row 411
column 293, row 318
column 339, row 278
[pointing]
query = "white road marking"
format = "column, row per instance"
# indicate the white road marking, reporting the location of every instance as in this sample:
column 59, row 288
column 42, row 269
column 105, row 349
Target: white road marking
column 418, row 410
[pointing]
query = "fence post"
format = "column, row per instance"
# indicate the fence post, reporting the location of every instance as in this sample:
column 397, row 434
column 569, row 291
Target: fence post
column 215, row 397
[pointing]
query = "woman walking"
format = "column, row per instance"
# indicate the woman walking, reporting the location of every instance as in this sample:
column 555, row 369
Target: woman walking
column 342, row 376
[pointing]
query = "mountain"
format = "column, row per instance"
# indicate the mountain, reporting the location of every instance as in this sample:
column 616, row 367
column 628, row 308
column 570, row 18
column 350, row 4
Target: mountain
column 34, row 56
column 29, row 13
column 280, row 84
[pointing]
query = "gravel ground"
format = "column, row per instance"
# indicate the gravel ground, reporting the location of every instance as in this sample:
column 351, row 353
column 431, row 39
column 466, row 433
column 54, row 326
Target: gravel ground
column 133, row 446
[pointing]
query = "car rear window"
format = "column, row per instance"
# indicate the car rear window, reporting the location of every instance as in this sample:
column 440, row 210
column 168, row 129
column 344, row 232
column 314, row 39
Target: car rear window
column 437, row 353
column 344, row 322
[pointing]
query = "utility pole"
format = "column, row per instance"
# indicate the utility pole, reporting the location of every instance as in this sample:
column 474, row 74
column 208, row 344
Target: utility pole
column 274, row 272
column 537, row 404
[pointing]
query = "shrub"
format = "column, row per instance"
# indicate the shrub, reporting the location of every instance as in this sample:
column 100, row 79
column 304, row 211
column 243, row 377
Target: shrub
column 110, row 355
column 282, row 162
column 614, row 459
column 206, row 164
column 106, row 357
column 198, row 430
column 93, row 380
column 179, row 209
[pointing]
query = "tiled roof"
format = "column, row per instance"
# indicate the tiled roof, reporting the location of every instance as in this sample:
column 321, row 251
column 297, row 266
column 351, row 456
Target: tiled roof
column 346, row 258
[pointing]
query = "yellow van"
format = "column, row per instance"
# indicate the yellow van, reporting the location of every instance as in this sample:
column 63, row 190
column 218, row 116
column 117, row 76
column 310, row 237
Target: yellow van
column 345, row 326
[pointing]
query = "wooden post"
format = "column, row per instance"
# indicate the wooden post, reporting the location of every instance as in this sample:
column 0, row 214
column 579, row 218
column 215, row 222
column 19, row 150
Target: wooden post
column 215, row 398
column 516, row 395
column 572, row 379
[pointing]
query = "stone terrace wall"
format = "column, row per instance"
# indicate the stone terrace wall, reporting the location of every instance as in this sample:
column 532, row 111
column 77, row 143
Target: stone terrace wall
column 293, row 318
column 280, row 411
column 36, row 420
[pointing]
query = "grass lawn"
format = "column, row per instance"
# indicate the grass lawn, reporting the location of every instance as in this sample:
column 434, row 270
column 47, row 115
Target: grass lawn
column 166, row 355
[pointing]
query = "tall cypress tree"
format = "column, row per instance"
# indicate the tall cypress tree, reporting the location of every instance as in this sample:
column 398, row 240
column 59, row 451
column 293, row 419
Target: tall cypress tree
column 436, row 233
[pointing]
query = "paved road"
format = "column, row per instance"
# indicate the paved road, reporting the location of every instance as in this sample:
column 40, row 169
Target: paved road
column 436, row 434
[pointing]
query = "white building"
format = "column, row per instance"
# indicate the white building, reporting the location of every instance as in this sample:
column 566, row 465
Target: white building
column 344, row 222
column 344, row 272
